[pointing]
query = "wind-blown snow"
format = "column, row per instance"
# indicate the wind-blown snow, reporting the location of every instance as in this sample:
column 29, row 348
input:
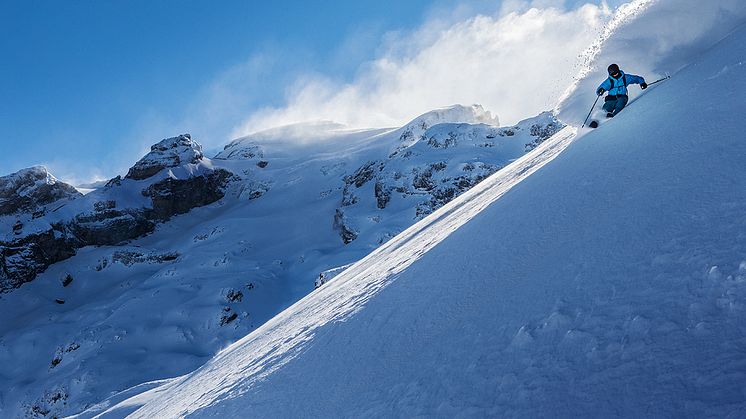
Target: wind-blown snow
column 608, row 283
column 516, row 64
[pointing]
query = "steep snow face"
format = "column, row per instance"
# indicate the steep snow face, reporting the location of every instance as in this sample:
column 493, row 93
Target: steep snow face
column 639, row 41
column 610, row 282
column 117, row 315
column 29, row 189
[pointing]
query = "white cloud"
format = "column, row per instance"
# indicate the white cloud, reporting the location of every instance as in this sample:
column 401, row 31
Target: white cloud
column 516, row 64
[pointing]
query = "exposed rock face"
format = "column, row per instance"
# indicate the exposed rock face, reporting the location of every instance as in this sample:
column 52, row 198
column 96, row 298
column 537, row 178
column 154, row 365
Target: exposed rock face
column 345, row 232
column 98, row 218
column 111, row 226
column 434, row 163
column 171, row 152
column 24, row 258
column 174, row 196
column 543, row 131
column 30, row 189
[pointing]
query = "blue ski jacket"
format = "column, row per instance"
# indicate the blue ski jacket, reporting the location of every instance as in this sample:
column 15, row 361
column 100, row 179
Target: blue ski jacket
column 619, row 85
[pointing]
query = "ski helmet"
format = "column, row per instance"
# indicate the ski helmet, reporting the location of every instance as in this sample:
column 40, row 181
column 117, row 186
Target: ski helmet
column 613, row 69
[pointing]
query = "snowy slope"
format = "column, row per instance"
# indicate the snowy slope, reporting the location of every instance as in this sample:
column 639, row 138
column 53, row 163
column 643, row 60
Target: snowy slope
column 652, row 38
column 609, row 283
column 162, row 305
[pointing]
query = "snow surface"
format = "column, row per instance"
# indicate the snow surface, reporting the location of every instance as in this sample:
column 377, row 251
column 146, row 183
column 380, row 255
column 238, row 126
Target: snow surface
column 650, row 38
column 609, row 283
column 163, row 305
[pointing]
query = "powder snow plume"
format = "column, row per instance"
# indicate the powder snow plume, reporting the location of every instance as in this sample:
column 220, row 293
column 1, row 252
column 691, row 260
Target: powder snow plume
column 651, row 38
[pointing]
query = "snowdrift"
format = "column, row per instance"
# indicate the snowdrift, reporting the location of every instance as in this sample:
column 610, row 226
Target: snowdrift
column 608, row 283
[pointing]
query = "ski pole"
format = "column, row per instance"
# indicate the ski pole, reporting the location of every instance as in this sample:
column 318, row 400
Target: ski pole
column 659, row 80
column 591, row 111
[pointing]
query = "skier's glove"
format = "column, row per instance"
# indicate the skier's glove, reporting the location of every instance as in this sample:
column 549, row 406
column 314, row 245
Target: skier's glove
column 601, row 91
column 643, row 85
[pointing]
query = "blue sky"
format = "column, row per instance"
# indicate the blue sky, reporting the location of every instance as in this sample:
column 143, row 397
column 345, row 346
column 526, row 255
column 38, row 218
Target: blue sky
column 87, row 86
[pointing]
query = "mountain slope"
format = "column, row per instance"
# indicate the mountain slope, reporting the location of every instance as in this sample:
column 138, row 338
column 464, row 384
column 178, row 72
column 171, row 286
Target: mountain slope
column 129, row 308
column 609, row 283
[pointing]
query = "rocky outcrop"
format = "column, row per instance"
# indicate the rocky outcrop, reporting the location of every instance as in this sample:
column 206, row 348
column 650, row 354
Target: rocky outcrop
column 346, row 233
column 542, row 131
column 111, row 226
column 24, row 258
column 434, row 162
column 100, row 218
column 30, row 189
column 171, row 152
column 177, row 196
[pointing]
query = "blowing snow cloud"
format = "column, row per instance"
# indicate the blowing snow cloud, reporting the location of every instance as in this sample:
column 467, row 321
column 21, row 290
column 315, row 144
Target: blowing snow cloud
column 515, row 64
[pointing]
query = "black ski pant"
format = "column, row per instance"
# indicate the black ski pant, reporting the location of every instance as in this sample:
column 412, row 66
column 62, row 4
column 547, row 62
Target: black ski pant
column 615, row 104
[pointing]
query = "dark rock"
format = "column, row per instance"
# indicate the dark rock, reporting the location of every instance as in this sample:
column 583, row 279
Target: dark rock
column 382, row 195
column 129, row 258
column 234, row 296
column 447, row 141
column 55, row 361
column 542, row 132
column 117, row 181
column 348, row 197
column 27, row 256
column 177, row 196
column 423, row 180
column 346, row 233
column 262, row 164
column 439, row 166
column 59, row 301
column 227, row 318
column 110, row 227
column 22, row 259
column 104, row 205
column 362, row 175
column 67, row 281
column 50, row 405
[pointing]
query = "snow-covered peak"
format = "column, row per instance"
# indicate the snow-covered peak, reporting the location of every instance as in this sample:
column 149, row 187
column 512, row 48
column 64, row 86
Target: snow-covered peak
column 170, row 152
column 242, row 149
column 474, row 114
column 37, row 173
column 30, row 188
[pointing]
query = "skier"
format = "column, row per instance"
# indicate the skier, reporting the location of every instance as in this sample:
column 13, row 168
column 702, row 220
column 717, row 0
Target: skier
column 616, row 85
